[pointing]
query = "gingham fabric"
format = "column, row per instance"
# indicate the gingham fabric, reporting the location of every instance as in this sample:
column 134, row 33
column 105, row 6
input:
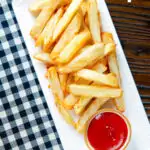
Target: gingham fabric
column 25, row 121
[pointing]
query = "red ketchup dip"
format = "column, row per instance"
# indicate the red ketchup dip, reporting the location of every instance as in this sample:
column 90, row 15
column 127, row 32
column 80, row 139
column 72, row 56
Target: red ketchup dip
column 108, row 131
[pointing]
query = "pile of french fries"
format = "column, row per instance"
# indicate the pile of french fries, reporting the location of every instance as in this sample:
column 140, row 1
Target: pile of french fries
column 81, row 59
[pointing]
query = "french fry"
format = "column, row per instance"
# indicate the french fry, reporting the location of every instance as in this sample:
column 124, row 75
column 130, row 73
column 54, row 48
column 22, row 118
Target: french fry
column 45, row 15
column 113, row 66
column 103, row 79
column 41, row 21
column 79, row 107
column 57, row 100
column 94, row 21
column 66, row 19
column 107, row 38
column 112, row 61
column 44, row 57
column 84, row 101
column 109, row 48
column 66, row 115
column 95, row 91
column 63, row 81
column 72, row 29
column 70, row 101
column 38, row 5
column 46, row 36
column 74, row 46
column 90, row 53
column 80, row 59
column 50, row 29
column 91, row 110
column 55, row 83
column 102, row 61
column 99, row 67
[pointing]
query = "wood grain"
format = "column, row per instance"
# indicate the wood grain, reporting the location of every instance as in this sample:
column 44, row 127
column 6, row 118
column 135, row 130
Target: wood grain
column 132, row 21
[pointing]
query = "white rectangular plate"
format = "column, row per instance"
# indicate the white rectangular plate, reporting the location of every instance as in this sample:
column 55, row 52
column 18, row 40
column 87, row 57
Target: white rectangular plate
column 70, row 139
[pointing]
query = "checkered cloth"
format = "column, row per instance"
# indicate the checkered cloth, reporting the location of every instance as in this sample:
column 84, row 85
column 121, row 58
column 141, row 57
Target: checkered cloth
column 25, row 121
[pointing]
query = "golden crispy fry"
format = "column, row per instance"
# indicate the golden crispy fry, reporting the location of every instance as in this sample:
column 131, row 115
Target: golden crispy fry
column 47, row 43
column 90, row 53
column 38, row 5
column 47, row 33
column 84, row 101
column 66, row 115
column 91, row 110
column 107, row 38
column 113, row 66
column 102, row 61
column 70, row 101
column 66, row 19
column 99, row 67
column 44, row 57
column 94, row 21
column 45, row 15
column 55, row 83
column 103, row 79
column 112, row 61
column 72, row 29
column 63, row 81
column 95, row 91
column 109, row 48
column 74, row 46
column 41, row 21
column 79, row 107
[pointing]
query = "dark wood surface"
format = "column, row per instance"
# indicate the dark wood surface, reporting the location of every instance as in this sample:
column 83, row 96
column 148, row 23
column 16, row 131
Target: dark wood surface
column 132, row 21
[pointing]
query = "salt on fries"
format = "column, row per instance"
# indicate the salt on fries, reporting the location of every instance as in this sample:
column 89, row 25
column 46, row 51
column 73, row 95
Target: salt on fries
column 81, row 59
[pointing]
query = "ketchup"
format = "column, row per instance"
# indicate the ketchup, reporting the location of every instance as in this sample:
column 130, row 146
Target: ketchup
column 107, row 131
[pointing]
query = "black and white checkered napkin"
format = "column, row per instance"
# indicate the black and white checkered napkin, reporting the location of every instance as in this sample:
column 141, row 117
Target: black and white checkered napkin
column 25, row 121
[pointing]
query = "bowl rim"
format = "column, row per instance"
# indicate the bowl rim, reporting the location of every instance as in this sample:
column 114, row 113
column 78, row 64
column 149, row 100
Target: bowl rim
column 112, row 111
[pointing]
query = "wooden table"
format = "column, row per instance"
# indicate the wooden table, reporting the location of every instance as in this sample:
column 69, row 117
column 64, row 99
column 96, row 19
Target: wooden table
column 132, row 21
